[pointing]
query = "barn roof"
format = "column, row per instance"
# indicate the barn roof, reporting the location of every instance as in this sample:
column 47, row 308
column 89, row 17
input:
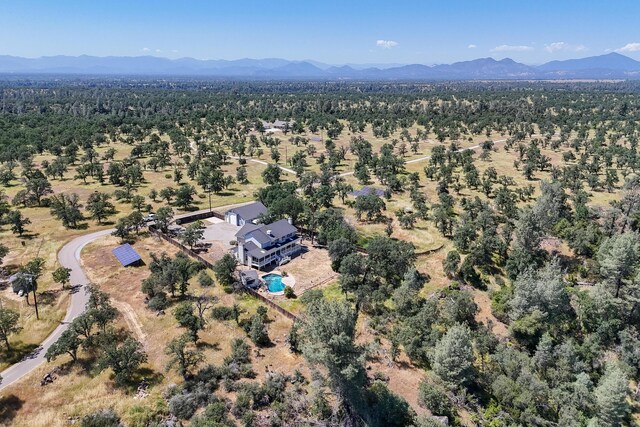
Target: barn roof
column 126, row 254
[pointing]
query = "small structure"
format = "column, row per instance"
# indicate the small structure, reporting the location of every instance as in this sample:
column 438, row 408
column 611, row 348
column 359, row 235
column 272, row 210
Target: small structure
column 245, row 214
column 365, row 191
column 261, row 245
column 126, row 255
column 278, row 124
column 250, row 279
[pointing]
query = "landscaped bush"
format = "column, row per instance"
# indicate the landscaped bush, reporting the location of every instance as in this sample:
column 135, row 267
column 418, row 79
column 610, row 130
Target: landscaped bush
column 288, row 292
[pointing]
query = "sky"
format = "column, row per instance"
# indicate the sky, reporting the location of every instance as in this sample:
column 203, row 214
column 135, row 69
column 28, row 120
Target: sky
column 329, row 31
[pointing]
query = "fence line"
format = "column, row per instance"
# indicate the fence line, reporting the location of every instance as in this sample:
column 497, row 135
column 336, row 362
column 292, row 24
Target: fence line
column 208, row 264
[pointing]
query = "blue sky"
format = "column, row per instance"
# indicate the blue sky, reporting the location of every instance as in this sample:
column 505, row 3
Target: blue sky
column 332, row 31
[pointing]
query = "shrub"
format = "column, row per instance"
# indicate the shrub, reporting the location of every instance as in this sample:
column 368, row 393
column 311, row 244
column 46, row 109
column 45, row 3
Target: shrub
column 183, row 406
column 242, row 405
column 222, row 312
column 204, row 279
column 158, row 302
column 311, row 295
column 288, row 292
column 103, row 418
column 433, row 397
column 258, row 331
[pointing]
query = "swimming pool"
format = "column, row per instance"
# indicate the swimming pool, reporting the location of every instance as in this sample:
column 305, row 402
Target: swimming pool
column 274, row 282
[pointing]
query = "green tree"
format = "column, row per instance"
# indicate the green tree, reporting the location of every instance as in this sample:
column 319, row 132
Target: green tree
column 258, row 331
column 67, row 209
column 271, row 174
column 184, row 196
column 451, row 264
column 183, row 354
column 38, row 186
column 329, row 332
column 124, row 358
column 371, row 205
column 192, row 234
column 100, row 207
column 224, row 270
column 68, row 343
column 61, row 275
column 452, row 358
column 618, row 258
column 187, row 319
column 122, row 229
column 611, row 397
column 17, row 222
column 8, row 325
column 164, row 217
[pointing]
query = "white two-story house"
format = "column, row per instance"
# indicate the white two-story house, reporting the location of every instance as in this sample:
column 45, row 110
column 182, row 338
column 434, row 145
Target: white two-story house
column 259, row 245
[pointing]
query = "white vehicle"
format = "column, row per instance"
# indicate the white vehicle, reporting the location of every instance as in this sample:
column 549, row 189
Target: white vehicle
column 149, row 218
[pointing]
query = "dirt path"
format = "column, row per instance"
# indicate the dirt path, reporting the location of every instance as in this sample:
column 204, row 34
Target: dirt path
column 485, row 315
column 132, row 320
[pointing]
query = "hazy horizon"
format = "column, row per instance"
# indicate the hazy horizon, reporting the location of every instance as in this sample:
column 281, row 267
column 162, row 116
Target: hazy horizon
column 330, row 32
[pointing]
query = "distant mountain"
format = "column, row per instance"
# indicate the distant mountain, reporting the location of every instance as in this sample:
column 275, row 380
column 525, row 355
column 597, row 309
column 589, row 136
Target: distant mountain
column 612, row 65
column 611, row 61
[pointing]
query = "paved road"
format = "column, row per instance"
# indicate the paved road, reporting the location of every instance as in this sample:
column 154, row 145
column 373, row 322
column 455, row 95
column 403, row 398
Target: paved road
column 69, row 256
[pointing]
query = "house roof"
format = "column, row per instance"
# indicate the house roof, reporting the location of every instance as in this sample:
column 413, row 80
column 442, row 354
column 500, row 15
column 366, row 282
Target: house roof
column 251, row 211
column 249, row 275
column 365, row 191
column 264, row 234
column 126, row 254
column 279, row 228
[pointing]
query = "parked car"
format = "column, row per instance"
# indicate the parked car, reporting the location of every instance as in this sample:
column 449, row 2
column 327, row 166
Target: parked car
column 149, row 218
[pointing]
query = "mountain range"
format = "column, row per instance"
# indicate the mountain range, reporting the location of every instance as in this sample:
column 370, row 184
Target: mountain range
column 609, row 66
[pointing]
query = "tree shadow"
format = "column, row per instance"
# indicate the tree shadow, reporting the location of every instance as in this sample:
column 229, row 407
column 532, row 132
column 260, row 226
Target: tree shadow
column 19, row 351
column 29, row 236
column 203, row 345
column 9, row 407
column 143, row 375
column 48, row 297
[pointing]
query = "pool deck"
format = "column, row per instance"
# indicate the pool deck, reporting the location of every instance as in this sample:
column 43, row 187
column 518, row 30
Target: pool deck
column 286, row 280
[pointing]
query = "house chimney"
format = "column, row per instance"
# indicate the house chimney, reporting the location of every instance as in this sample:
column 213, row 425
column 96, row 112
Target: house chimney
column 269, row 233
column 290, row 220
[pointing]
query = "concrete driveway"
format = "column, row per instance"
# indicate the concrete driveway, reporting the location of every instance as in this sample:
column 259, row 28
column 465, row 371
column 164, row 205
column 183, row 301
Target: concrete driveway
column 219, row 231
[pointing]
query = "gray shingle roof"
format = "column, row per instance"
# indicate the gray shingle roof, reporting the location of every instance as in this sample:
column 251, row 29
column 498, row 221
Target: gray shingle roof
column 279, row 228
column 264, row 234
column 251, row 211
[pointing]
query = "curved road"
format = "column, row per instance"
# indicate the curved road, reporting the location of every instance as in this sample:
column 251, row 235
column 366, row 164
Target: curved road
column 69, row 257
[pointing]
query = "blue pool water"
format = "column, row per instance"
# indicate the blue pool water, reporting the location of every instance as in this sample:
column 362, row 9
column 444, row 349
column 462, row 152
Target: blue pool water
column 274, row 282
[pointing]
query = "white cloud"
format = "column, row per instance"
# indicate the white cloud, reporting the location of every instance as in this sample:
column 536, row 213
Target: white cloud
column 557, row 46
column 146, row 49
column 472, row 46
column 629, row 47
column 386, row 44
column 158, row 51
column 511, row 48
column 174, row 50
